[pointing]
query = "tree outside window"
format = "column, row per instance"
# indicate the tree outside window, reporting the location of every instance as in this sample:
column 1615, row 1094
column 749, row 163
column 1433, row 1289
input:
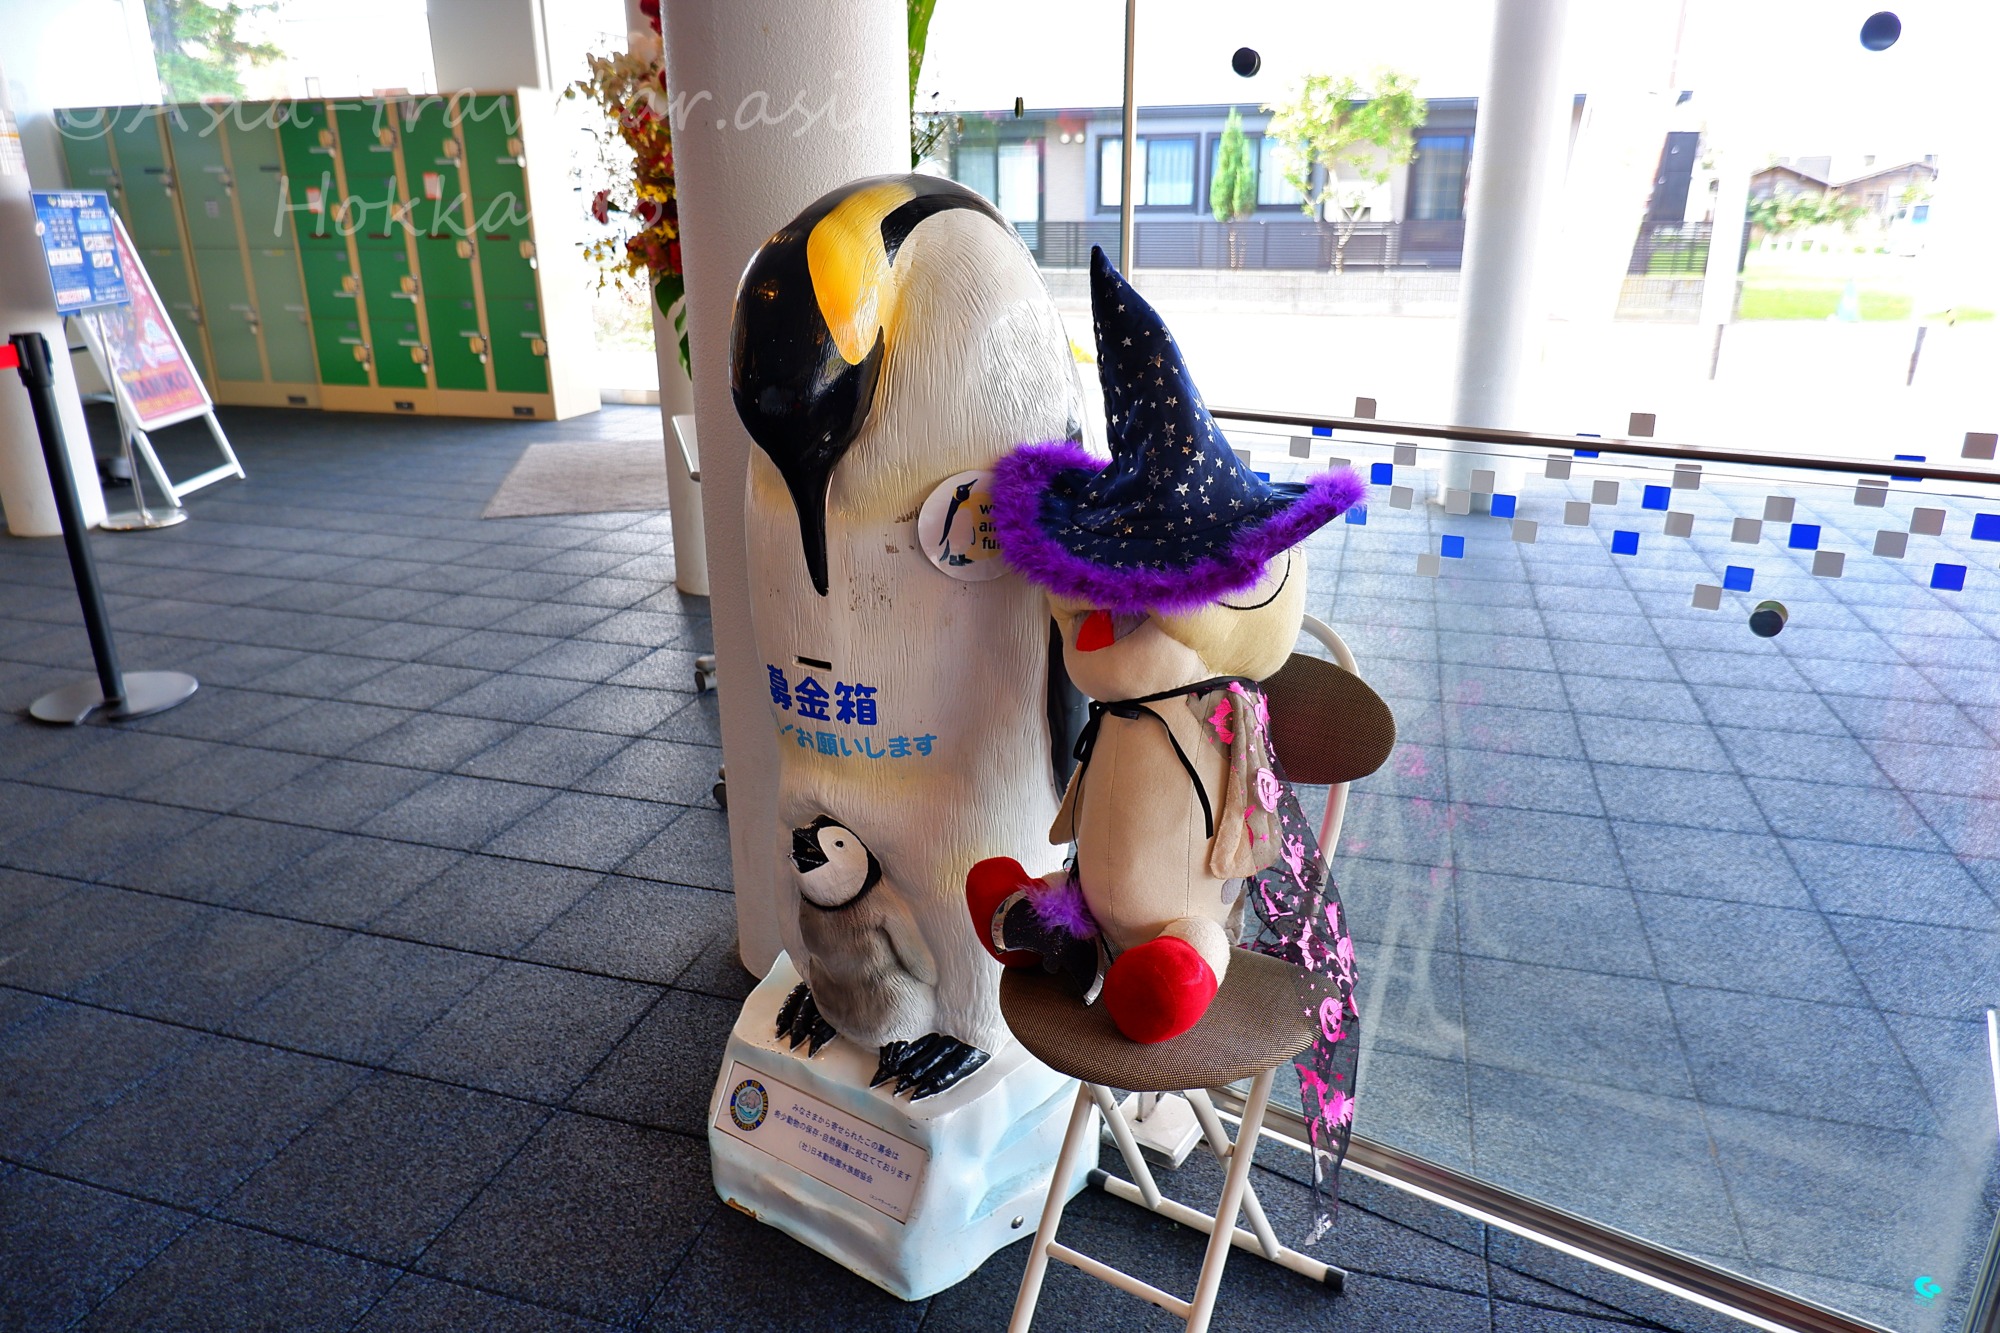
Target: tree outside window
column 1332, row 122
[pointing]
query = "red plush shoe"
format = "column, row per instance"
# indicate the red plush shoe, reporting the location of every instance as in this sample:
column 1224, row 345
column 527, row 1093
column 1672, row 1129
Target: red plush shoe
column 1158, row 990
column 987, row 885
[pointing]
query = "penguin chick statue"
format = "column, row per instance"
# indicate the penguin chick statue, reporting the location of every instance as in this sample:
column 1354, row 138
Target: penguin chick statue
column 1174, row 578
column 893, row 336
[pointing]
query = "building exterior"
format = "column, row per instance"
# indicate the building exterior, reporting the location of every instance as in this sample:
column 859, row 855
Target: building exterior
column 1056, row 175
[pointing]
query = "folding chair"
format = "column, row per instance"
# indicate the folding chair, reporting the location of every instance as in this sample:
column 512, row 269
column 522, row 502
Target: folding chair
column 1327, row 727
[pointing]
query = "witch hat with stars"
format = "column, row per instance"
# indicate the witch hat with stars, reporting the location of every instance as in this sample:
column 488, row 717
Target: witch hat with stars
column 1175, row 520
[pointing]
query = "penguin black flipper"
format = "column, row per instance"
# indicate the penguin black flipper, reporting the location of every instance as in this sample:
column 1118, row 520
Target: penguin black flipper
column 800, row 1023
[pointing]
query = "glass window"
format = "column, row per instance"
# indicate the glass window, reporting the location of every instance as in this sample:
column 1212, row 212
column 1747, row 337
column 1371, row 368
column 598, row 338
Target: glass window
column 977, row 167
column 1274, row 188
column 1437, row 177
column 1110, row 165
column 1018, row 181
column 1169, row 172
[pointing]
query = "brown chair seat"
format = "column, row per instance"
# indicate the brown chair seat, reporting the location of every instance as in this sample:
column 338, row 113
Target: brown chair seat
column 1255, row 1023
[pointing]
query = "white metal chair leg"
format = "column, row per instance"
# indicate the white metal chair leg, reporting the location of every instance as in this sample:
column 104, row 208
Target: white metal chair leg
column 1038, row 1253
column 1203, row 1305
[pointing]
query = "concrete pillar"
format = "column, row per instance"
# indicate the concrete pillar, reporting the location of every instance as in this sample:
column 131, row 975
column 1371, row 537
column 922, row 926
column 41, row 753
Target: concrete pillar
column 489, row 44
column 1518, row 157
column 28, row 305
column 778, row 104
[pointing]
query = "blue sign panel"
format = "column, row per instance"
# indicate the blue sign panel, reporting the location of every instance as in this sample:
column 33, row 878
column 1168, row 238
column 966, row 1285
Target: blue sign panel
column 80, row 248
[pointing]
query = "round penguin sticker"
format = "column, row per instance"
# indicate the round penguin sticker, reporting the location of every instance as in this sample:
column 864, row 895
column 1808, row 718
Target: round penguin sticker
column 749, row 1104
column 955, row 528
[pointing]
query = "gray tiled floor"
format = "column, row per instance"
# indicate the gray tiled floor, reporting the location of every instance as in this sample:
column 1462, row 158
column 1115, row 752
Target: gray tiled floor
column 382, row 984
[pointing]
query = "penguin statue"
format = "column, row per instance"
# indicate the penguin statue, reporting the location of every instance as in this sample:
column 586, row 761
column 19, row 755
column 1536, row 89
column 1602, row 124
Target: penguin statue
column 891, row 338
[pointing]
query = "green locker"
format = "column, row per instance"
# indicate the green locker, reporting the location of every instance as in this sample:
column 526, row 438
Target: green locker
column 231, row 316
column 399, row 349
column 330, row 282
column 430, row 164
column 305, row 143
column 282, row 308
column 206, row 193
column 258, row 168
column 368, row 157
column 508, row 273
column 491, row 126
column 519, row 364
column 148, row 181
column 446, row 274
column 388, row 285
column 337, row 342
column 169, row 274
column 456, row 342
column 86, row 141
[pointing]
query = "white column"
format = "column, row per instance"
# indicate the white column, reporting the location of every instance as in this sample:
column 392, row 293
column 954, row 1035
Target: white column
column 28, row 305
column 1518, row 155
column 780, row 103
column 1725, row 239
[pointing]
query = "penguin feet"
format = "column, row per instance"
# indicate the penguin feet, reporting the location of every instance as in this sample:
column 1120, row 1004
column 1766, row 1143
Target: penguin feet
column 926, row 1066
column 1159, row 989
column 799, row 1021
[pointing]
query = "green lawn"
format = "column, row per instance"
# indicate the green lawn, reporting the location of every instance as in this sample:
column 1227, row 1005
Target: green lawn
column 1793, row 298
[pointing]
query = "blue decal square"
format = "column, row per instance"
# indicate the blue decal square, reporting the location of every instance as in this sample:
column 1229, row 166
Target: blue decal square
column 1586, row 453
column 1358, row 516
column 1322, row 430
column 1624, row 543
column 1737, row 578
column 1986, row 528
column 1381, row 474
column 1503, row 506
column 1805, row 537
column 1452, row 546
column 1657, row 497
column 1948, row 578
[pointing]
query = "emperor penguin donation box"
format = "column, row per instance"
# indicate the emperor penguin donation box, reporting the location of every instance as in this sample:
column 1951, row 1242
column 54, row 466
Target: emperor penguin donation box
column 890, row 344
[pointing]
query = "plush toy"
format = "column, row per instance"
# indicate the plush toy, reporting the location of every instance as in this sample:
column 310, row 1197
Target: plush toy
column 893, row 337
column 1174, row 577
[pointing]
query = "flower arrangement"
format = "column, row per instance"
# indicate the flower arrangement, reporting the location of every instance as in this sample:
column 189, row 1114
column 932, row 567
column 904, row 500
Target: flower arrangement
column 635, row 154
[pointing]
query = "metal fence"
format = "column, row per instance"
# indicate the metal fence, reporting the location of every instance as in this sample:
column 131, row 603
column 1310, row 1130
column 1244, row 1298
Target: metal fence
column 1665, row 248
column 1276, row 245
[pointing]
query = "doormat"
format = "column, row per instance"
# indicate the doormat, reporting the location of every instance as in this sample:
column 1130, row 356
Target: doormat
column 587, row 477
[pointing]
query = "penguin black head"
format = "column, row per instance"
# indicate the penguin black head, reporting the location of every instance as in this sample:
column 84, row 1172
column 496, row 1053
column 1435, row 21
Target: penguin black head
column 814, row 315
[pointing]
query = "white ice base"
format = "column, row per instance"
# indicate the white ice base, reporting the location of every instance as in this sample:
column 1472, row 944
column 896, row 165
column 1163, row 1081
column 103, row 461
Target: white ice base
column 989, row 1146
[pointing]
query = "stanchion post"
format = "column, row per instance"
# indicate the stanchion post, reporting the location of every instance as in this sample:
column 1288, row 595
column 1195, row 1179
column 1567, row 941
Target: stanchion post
column 38, row 375
column 116, row 693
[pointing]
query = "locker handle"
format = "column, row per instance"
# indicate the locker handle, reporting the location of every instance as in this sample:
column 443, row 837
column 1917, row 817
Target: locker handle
column 538, row 347
column 464, row 249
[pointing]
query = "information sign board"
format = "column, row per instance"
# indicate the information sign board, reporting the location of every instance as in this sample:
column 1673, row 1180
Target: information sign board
column 76, row 231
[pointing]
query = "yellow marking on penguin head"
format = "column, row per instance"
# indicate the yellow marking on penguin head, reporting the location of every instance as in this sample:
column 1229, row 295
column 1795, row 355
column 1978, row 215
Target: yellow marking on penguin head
column 852, row 277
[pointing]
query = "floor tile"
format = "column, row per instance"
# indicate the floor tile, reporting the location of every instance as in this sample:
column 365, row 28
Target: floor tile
column 590, row 1218
column 221, row 1276
column 454, row 811
column 388, row 1168
column 83, row 1059
column 194, row 1130
column 363, row 1000
column 351, row 880
column 64, row 1246
column 528, row 1031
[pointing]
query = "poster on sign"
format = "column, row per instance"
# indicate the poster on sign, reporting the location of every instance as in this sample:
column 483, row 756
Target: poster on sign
column 142, row 355
column 74, row 228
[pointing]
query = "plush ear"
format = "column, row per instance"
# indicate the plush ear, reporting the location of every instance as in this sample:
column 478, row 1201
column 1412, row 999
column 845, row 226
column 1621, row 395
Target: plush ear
column 1246, row 830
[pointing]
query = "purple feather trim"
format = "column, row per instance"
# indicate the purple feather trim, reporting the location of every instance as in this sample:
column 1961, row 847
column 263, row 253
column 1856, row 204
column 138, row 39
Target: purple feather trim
column 1022, row 477
column 1062, row 908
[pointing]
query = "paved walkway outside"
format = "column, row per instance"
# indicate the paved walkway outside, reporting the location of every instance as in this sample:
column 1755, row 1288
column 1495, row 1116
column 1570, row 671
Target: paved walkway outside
column 382, row 985
column 1684, row 929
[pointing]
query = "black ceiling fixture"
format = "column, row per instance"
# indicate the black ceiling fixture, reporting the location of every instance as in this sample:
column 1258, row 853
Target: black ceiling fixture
column 1246, row 61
